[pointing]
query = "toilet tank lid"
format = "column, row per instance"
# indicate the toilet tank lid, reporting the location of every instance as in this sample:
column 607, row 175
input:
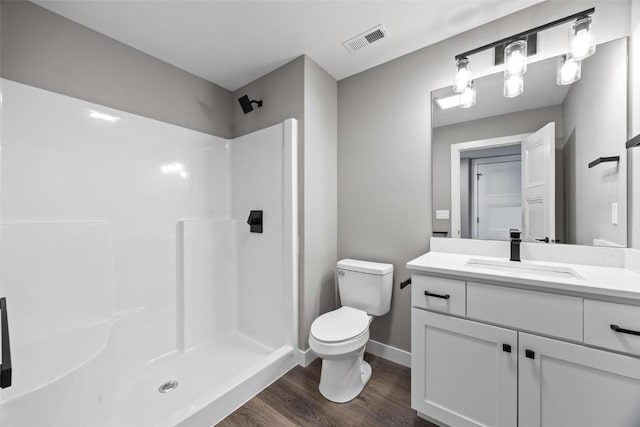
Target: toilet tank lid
column 365, row 266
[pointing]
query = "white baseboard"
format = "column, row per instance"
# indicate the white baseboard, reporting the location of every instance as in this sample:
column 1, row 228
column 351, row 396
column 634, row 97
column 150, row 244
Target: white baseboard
column 393, row 354
column 401, row 357
column 305, row 357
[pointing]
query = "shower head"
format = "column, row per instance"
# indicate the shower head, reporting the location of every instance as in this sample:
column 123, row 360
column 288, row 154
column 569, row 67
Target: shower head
column 246, row 103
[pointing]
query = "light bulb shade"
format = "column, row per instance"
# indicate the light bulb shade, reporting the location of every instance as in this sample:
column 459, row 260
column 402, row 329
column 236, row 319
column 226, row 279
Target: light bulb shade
column 582, row 42
column 515, row 58
column 468, row 97
column 569, row 70
column 513, row 86
column 463, row 75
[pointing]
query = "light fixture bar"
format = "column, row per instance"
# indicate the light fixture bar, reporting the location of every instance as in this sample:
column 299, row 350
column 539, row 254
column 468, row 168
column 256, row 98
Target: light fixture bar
column 524, row 34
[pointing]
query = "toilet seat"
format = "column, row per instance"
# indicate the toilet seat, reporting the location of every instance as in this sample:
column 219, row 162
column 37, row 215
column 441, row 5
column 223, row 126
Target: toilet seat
column 343, row 324
column 339, row 333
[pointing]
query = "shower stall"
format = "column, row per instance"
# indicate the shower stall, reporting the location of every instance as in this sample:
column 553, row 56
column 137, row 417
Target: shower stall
column 137, row 293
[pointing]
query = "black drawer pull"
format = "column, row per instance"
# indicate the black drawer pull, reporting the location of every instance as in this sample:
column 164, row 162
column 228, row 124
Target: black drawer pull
column 506, row 348
column 625, row 331
column 429, row 294
column 5, row 368
column 530, row 354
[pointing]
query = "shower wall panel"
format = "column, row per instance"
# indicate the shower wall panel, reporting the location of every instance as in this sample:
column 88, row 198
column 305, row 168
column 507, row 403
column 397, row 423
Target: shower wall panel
column 69, row 161
column 207, row 291
column 257, row 182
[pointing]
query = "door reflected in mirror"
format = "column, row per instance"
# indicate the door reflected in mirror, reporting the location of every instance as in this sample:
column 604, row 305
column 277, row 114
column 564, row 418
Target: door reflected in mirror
column 530, row 162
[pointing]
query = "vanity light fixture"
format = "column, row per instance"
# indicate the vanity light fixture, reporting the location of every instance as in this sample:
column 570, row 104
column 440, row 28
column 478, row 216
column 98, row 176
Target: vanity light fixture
column 569, row 70
column 581, row 39
column 515, row 55
column 582, row 45
column 515, row 65
column 463, row 75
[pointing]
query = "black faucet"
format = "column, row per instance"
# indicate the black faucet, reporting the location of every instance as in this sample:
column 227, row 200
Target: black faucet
column 515, row 245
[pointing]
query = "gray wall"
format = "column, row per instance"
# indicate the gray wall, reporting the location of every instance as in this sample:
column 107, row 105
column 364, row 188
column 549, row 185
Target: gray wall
column 45, row 50
column 491, row 127
column 303, row 90
column 384, row 154
column 282, row 92
column 595, row 113
column 321, row 195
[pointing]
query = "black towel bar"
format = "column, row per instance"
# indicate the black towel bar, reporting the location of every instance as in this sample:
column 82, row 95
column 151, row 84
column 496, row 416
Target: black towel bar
column 603, row 160
column 634, row 142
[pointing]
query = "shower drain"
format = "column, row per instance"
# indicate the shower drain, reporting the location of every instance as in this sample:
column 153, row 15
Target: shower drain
column 168, row 386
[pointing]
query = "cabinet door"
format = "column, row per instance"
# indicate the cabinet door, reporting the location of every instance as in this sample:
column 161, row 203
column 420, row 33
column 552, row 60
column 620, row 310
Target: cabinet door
column 461, row 374
column 569, row 385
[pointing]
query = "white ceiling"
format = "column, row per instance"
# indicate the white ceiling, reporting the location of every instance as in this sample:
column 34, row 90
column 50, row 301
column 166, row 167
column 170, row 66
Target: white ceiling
column 232, row 43
column 540, row 90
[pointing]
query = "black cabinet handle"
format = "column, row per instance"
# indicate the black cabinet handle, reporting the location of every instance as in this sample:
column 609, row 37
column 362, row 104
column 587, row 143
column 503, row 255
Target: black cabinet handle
column 530, row 354
column 546, row 240
column 506, row 348
column 625, row 331
column 429, row 294
column 5, row 368
column 405, row 283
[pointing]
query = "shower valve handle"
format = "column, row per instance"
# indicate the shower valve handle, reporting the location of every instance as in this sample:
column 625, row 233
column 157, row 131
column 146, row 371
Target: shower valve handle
column 255, row 221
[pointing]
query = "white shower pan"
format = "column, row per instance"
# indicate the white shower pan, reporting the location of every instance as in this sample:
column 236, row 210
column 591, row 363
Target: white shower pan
column 136, row 293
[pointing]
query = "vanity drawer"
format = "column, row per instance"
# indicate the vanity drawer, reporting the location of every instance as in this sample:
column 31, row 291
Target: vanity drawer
column 434, row 293
column 549, row 314
column 598, row 318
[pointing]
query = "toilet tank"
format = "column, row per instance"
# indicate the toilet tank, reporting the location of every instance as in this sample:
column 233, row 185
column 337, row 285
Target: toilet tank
column 365, row 285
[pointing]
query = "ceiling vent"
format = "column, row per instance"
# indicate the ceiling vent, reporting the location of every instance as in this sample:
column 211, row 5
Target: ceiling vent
column 363, row 40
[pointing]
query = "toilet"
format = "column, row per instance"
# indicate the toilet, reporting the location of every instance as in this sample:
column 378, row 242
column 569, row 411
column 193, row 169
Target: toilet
column 339, row 336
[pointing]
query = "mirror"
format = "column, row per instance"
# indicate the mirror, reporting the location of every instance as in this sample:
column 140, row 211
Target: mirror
column 550, row 162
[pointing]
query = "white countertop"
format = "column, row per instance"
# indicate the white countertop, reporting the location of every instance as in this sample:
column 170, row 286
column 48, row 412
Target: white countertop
column 603, row 281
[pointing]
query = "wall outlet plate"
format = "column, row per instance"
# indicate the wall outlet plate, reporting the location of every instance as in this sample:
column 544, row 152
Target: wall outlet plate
column 442, row 214
column 614, row 213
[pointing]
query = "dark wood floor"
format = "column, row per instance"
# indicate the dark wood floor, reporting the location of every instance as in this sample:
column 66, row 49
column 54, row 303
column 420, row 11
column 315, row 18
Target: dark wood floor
column 294, row 400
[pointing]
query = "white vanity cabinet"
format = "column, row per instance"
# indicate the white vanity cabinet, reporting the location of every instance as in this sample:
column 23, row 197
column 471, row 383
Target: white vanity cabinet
column 564, row 384
column 463, row 373
column 514, row 357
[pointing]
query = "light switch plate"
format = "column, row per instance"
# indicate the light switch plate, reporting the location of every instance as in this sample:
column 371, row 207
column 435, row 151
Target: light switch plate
column 614, row 213
column 442, row 214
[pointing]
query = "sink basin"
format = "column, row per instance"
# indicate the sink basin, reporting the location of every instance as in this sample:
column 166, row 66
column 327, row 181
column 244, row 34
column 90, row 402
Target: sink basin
column 519, row 268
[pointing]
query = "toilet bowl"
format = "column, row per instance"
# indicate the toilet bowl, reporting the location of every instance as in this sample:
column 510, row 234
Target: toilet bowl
column 339, row 337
